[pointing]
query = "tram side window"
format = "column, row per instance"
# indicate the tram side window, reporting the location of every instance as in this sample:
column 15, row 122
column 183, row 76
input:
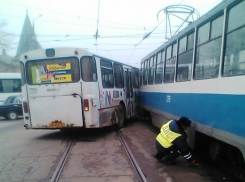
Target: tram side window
column 184, row 66
column 159, row 67
column 145, row 71
column 208, row 52
column 151, row 70
column 88, row 69
column 118, row 75
column 170, row 64
column 106, row 74
column 234, row 60
column 141, row 73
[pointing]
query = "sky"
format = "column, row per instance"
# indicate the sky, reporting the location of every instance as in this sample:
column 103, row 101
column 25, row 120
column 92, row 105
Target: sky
column 121, row 24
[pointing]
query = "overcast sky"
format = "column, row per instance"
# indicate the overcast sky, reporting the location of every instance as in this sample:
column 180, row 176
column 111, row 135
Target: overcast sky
column 73, row 23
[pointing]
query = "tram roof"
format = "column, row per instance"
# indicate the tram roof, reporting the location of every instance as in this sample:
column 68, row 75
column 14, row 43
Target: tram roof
column 215, row 11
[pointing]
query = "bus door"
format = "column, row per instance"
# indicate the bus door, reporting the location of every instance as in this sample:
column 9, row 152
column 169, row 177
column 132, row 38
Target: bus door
column 128, row 92
column 54, row 93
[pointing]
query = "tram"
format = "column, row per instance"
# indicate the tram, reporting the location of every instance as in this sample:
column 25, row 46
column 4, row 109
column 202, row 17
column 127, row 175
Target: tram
column 200, row 74
column 65, row 88
column 10, row 85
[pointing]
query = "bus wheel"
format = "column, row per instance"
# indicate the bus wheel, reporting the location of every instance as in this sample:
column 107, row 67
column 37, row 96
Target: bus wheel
column 12, row 115
column 121, row 115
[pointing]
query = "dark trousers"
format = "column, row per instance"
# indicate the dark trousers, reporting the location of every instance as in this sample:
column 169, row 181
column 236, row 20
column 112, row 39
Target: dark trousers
column 170, row 153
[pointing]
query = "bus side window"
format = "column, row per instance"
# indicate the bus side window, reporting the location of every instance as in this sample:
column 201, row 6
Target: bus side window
column 1, row 86
column 106, row 74
column 118, row 74
column 88, row 69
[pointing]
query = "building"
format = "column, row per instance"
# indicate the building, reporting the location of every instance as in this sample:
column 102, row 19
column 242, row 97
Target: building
column 27, row 43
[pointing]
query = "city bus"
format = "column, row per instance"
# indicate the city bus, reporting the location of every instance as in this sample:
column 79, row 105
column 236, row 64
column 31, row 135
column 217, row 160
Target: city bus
column 200, row 74
column 10, row 85
column 73, row 88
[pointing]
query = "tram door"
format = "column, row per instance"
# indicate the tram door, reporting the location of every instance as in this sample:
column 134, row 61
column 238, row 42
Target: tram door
column 128, row 92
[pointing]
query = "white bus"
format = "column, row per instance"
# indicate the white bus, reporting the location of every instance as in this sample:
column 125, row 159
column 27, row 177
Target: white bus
column 10, row 85
column 73, row 88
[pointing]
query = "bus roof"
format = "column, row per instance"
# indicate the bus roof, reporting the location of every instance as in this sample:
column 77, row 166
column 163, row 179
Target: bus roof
column 61, row 52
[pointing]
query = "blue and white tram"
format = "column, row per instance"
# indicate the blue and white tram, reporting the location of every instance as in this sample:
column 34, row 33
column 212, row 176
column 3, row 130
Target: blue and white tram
column 200, row 73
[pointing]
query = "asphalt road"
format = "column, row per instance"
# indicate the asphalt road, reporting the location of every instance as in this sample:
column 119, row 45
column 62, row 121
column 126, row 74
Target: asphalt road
column 97, row 155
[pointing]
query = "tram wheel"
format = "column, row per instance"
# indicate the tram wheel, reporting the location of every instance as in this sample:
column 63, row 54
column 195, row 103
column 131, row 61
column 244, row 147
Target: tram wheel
column 121, row 116
column 215, row 152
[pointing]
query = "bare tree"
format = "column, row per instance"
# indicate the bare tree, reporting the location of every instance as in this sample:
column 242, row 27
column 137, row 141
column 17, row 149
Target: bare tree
column 5, row 36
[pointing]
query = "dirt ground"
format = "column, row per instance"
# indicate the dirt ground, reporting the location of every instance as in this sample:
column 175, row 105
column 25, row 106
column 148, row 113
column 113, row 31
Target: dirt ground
column 140, row 137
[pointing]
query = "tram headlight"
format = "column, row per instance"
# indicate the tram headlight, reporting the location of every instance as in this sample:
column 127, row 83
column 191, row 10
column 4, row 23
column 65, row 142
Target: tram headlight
column 86, row 105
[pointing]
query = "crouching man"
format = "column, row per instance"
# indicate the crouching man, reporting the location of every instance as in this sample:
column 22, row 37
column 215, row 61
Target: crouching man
column 171, row 142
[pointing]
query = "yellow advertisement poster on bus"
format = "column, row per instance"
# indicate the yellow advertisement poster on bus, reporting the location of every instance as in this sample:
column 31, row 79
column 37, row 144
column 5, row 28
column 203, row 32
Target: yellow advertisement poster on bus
column 52, row 73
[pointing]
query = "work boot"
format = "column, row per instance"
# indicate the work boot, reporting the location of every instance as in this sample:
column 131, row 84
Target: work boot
column 158, row 156
column 168, row 161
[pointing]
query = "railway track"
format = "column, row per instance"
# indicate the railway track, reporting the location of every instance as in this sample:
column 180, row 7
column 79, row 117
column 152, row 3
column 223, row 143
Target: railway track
column 132, row 159
column 63, row 160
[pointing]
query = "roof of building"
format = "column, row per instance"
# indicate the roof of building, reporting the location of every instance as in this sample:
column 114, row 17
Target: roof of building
column 28, row 39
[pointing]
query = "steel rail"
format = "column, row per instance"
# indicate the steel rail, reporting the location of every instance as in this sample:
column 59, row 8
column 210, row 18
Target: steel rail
column 132, row 159
column 62, row 162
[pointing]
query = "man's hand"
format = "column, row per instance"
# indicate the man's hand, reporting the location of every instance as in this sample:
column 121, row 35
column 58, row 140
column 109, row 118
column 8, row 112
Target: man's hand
column 193, row 162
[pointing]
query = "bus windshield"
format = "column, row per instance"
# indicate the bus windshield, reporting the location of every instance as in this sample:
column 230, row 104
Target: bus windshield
column 51, row 71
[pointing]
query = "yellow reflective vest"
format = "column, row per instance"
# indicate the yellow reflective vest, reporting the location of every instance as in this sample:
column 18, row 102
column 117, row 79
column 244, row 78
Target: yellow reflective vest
column 166, row 136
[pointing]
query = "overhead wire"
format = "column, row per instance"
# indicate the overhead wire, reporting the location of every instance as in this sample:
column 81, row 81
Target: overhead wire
column 148, row 34
column 67, row 14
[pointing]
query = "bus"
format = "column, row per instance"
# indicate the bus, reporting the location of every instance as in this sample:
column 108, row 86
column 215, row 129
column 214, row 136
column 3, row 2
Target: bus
column 10, row 85
column 72, row 88
column 200, row 74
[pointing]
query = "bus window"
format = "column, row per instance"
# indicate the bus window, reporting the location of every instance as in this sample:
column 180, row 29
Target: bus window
column 184, row 66
column 106, row 74
column 88, row 71
column 10, row 85
column 51, row 71
column 118, row 74
column 208, row 53
column 159, row 68
column 22, row 69
column 234, row 62
column 135, row 78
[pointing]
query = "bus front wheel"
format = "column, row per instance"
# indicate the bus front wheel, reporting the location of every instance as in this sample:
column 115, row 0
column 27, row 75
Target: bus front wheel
column 121, row 116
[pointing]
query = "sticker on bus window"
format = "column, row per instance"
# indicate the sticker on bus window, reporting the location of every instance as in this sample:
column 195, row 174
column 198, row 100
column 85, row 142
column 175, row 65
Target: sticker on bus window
column 52, row 73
